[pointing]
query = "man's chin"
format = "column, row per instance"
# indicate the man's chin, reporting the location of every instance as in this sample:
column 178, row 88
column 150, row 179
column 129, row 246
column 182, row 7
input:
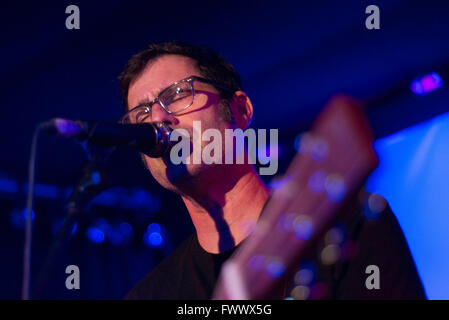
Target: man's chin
column 170, row 175
column 176, row 177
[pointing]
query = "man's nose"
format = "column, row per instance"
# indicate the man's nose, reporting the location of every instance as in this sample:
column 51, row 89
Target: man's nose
column 158, row 114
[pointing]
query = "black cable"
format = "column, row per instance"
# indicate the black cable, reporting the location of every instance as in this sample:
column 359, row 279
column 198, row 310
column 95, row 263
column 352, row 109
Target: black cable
column 28, row 231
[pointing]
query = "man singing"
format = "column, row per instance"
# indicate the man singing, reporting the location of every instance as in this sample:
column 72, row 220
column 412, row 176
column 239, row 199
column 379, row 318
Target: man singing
column 179, row 84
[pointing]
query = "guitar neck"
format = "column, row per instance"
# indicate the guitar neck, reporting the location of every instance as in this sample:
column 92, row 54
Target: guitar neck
column 334, row 159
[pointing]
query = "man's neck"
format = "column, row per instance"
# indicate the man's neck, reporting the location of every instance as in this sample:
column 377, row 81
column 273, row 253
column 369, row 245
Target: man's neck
column 224, row 216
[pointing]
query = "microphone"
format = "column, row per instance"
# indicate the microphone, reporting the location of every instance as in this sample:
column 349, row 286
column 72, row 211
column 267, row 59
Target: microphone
column 153, row 139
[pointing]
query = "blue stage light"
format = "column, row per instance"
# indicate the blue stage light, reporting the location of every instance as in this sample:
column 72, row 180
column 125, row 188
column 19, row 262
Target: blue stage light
column 134, row 199
column 25, row 214
column 19, row 217
column 57, row 224
column 426, row 83
column 96, row 177
column 47, row 191
column 142, row 199
column 95, row 234
column 117, row 234
column 44, row 190
column 154, row 227
column 98, row 231
column 155, row 239
column 9, row 186
column 75, row 227
column 153, row 236
column 109, row 198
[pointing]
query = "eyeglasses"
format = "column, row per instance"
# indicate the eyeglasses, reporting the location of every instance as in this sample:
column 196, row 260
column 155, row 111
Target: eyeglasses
column 173, row 99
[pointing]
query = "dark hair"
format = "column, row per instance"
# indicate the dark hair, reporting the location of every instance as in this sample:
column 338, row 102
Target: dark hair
column 209, row 63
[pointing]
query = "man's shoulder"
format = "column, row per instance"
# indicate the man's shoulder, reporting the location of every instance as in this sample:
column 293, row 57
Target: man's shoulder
column 163, row 280
column 380, row 243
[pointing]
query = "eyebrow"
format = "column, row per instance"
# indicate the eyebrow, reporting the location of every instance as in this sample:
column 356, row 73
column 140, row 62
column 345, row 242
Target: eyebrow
column 142, row 102
column 147, row 100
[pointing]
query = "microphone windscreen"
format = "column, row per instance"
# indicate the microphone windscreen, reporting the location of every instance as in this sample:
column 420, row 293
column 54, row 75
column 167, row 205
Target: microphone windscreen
column 63, row 127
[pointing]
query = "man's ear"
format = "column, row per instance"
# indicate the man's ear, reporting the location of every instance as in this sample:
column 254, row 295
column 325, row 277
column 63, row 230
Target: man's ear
column 241, row 109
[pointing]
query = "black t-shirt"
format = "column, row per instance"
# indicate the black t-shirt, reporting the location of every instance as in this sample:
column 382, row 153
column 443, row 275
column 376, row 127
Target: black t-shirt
column 360, row 237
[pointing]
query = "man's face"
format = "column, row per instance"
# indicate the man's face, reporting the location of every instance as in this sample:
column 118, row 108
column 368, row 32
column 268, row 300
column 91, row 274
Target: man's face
column 159, row 74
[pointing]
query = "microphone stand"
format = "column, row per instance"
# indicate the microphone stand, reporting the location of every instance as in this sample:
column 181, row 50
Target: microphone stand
column 92, row 182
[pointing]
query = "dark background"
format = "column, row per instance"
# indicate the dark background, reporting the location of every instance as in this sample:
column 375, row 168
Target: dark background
column 292, row 56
